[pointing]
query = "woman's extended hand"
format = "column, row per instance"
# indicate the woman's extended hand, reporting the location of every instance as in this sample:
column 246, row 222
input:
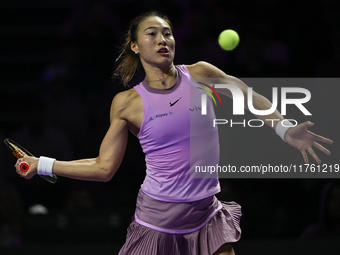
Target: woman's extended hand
column 302, row 139
column 33, row 165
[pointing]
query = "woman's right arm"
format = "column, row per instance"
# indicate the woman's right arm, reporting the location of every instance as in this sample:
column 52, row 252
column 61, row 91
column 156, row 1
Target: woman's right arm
column 111, row 151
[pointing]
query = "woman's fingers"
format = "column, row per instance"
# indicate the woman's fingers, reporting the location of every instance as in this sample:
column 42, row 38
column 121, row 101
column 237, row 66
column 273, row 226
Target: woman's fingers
column 321, row 148
column 313, row 154
column 320, row 138
column 305, row 156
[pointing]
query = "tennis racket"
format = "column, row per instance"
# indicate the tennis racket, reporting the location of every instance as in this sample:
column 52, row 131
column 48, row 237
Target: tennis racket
column 20, row 152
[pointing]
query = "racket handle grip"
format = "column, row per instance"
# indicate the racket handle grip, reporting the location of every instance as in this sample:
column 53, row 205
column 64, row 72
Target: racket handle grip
column 24, row 166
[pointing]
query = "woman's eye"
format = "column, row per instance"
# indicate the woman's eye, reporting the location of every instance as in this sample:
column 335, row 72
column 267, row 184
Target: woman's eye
column 152, row 33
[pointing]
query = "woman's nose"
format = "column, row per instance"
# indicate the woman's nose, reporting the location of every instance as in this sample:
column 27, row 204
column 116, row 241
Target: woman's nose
column 162, row 40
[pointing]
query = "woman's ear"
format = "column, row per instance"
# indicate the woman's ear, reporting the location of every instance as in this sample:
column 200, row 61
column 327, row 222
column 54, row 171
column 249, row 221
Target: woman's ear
column 134, row 47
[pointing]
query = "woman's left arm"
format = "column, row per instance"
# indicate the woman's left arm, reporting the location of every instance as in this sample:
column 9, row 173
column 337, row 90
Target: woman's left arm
column 299, row 136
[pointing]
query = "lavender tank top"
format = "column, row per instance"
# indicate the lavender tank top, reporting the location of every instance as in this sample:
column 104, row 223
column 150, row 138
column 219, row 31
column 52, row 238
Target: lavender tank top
column 175, row 138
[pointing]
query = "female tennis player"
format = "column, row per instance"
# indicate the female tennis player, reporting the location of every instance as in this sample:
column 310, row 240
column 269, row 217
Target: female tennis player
column 175, row 214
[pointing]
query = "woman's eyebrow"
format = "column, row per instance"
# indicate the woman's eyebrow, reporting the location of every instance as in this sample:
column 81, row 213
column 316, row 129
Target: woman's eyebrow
column 164, row 28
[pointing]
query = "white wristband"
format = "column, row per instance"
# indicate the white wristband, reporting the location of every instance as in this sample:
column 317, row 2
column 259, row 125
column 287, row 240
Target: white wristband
column 45, row 165
column 281, row 129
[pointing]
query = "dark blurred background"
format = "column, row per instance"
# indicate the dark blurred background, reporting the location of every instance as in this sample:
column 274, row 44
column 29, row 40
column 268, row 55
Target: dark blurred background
column 56, row 62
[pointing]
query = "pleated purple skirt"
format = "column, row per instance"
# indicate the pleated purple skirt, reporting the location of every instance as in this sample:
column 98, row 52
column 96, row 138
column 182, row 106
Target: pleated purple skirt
column 223, row 227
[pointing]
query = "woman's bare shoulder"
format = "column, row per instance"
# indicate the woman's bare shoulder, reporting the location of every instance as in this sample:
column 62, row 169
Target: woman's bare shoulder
column 204, row 69
column 125, row 101
column 125, row 97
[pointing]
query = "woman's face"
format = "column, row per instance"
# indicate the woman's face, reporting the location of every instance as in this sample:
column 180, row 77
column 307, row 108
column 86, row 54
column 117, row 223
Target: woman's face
column 155, row 42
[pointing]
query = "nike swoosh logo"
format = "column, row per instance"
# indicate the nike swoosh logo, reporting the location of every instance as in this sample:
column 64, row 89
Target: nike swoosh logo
column 172, row 104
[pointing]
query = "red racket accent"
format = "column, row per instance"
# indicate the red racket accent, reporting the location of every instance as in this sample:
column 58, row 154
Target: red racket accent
column 24, row 166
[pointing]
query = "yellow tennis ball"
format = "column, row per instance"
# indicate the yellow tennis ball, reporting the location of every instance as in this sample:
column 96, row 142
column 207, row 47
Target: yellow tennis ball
column 228, row 39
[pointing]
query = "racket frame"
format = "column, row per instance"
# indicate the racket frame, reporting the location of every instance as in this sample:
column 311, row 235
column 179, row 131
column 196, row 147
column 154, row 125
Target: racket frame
column 20, row 152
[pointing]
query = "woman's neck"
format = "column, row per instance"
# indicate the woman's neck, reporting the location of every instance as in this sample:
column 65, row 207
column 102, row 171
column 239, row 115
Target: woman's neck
column 161, row 78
